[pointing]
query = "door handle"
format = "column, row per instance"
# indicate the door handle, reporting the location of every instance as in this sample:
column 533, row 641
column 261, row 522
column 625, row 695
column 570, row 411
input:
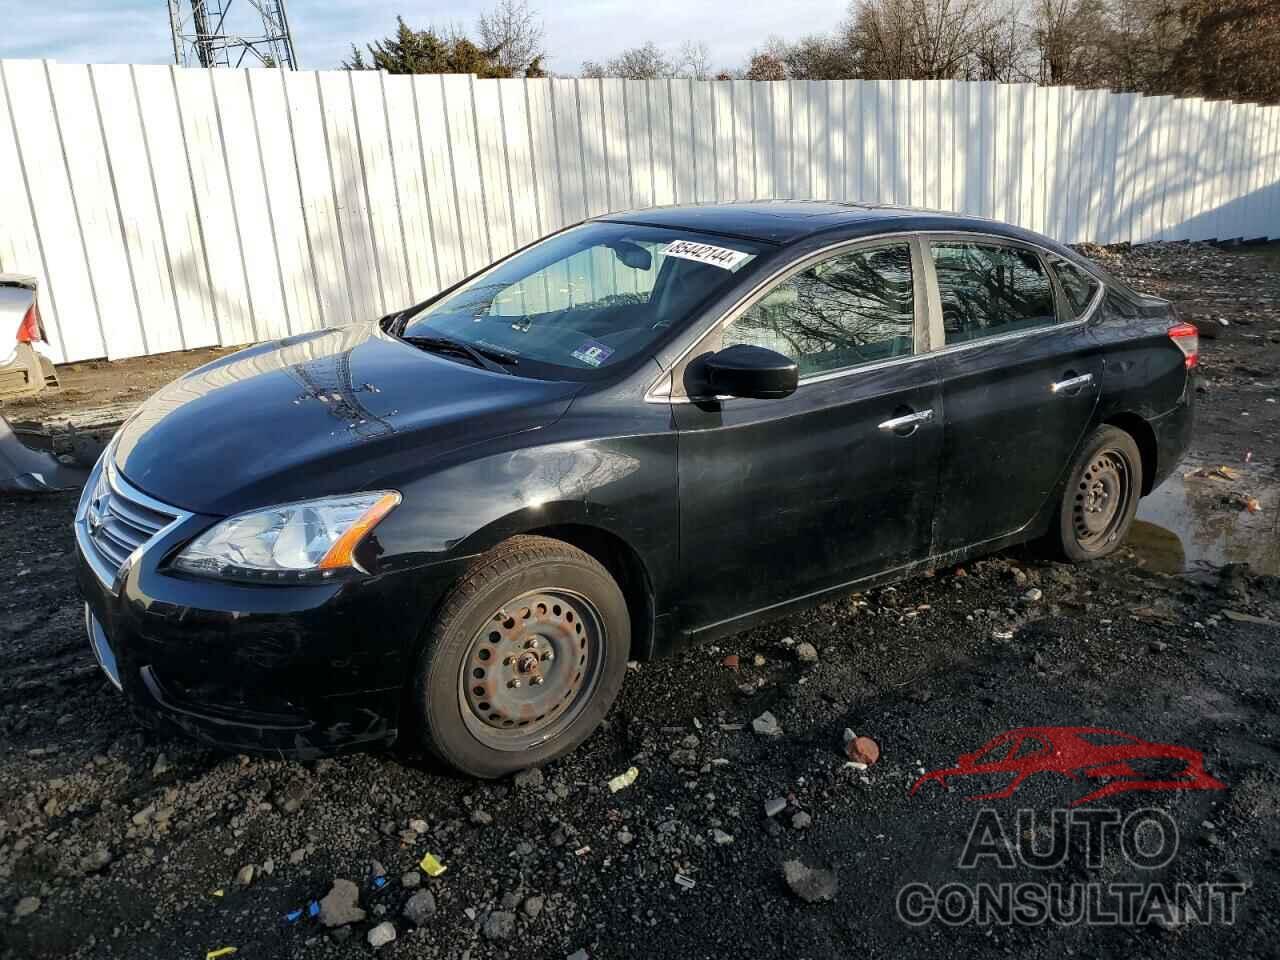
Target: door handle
column 911, row 420
column 1071, row 383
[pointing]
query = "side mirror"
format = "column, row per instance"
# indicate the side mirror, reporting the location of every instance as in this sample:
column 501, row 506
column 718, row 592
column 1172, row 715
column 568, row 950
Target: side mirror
column 752, row 372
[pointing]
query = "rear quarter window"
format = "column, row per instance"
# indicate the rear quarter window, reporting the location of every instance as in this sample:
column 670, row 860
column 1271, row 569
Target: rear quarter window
column 1079, row 287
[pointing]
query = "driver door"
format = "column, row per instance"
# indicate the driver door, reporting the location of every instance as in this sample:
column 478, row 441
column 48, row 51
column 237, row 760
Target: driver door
column 784, row 498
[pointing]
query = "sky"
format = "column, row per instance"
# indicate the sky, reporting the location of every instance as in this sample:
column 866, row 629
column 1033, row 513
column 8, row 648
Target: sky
column 137, row 31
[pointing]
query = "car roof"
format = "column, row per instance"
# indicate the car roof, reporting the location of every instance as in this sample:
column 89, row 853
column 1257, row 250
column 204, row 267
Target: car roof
column 787, row 221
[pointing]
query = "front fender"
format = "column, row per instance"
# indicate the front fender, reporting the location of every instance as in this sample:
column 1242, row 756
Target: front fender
column 624, row 486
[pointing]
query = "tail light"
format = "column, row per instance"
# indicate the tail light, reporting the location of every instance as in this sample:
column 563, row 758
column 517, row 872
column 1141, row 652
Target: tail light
column 1187, row 339
column 30, row 330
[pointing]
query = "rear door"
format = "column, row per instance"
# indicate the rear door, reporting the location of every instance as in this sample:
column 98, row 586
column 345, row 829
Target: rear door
column 1019, row 376
column 786, row 497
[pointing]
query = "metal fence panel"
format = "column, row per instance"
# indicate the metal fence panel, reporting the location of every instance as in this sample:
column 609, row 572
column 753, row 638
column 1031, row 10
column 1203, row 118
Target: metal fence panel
column 164, row 208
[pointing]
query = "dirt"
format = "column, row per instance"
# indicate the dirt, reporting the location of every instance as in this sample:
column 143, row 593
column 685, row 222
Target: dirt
column 132, row 845
column 100, row 383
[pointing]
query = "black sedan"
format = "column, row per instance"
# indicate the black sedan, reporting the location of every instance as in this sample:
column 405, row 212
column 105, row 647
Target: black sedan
column 460, row 522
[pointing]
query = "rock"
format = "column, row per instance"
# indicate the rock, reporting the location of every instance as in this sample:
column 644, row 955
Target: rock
column 95, row 861
column 376, row 870
column 730, row 661
column 668, row 826
column 625, row 837
column 758, row 660
column 775, row 806
column 690, row 742
column 411, row 879
column 143, row 816
column 533, row 906
column 291, row 798
column 863, row 750
column 420, row 908
column 297, row 856
column 244, row 876
column 1034, row 595
column 747, row 689
column 1237, row 617
column 684, row 758
column 480, row 818
column 500, row 925
column 1158, row 646
column 579, row 955
column 382, row 934
column 528, row 779
column 26, row 906
column 806, row 653
column 721, row 838
column 418, row 826
column 808, row 883
column 340, row 905
column 801, row 821
column 161, row 766
column 766, row 725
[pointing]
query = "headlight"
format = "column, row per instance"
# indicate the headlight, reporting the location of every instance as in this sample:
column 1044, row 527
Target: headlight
column 309, row 540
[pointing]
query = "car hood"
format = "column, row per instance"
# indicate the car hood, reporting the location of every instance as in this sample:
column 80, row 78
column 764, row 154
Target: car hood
column 329, row 412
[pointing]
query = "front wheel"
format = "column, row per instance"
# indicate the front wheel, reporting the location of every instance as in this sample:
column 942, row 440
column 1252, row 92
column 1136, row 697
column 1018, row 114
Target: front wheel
column 1101, row 496
column 525, row 659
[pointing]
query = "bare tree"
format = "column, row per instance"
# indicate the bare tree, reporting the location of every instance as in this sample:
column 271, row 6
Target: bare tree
column 1068, row 35
column 918, row 39
column 515, row 32
column 695, row 61
column 646, row 62
column 1003, row 51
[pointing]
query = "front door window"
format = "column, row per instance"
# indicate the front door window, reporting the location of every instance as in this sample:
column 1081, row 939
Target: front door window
column 852, row 309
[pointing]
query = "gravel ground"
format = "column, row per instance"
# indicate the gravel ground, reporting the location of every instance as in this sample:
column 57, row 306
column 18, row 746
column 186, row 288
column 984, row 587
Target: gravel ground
column 116, row 843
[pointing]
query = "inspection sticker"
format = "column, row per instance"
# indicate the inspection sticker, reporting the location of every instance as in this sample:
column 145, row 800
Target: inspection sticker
column 721, row 257
column 593, row 353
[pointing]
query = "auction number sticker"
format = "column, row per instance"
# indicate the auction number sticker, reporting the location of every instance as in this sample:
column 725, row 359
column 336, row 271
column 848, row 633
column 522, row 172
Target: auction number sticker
column 707, row 253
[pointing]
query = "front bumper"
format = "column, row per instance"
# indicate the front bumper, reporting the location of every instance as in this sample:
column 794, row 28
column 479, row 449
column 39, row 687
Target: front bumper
column 299, row 671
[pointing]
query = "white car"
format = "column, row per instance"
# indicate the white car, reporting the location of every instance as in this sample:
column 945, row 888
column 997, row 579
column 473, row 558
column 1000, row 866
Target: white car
column 24, row 370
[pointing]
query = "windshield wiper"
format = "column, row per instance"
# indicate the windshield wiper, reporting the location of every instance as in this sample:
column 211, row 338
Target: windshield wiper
column 490, row 360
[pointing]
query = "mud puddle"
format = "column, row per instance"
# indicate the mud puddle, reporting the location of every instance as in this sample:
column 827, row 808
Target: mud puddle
column 1193, row 523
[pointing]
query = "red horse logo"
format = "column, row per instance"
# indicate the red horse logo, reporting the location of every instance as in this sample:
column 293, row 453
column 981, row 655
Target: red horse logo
column 1089, row 753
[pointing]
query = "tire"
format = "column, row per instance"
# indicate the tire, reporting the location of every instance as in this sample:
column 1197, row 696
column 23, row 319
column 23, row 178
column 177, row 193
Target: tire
column 538, row 612
column 1100, row 497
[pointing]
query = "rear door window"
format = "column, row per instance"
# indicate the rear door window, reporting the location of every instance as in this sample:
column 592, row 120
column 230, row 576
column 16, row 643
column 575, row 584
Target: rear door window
column 989, row 290
column 854, row 308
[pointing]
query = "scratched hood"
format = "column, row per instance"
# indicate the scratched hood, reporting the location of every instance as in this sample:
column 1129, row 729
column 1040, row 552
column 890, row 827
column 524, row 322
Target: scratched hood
column 323, row 413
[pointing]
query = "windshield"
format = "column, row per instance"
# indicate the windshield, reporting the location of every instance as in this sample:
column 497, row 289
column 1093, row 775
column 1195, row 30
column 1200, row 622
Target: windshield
column 586, row 299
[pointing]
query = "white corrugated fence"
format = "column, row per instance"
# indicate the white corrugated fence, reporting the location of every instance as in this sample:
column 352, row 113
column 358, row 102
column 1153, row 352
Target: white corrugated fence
column 165, row 208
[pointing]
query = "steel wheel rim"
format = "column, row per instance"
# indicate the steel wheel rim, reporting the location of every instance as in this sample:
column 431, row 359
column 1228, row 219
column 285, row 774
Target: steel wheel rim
column 530, row 671
column 1102, row 500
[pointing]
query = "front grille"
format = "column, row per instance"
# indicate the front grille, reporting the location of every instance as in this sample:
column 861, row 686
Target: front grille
column 116, row 519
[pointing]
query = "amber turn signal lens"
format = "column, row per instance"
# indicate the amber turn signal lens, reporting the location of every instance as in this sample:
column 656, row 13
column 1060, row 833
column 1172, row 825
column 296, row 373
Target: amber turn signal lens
column 343, row 552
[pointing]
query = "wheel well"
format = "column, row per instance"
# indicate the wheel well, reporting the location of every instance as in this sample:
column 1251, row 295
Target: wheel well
column 625, row 566
column 1145, row 438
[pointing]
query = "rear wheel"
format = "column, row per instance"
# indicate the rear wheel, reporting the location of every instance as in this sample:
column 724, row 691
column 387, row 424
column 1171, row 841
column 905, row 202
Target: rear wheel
column 527, row 656
column 1101, row 496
